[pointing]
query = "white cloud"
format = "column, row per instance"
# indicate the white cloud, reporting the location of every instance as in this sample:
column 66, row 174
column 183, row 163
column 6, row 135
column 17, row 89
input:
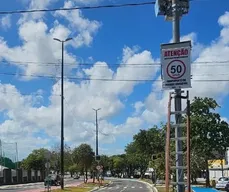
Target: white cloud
column 196, row 46
column 87, row 2
column 34, row 4
column 25, row 119
column 224, row 20
column 5, row 21
column 82, row 28
column 38, row 46
column 225, row 119
column 79, row 100
column 138, row 107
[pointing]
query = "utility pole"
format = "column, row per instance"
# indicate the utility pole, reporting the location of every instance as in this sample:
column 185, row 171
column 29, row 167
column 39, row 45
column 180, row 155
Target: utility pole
column 174, row 78
column 62, row 111
column 16, row 156
column 178, row 107
column 96, row 134
column 1, row 153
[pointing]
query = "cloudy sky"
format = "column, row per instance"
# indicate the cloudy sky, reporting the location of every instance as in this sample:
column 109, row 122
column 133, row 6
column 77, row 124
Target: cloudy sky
column 107, row 44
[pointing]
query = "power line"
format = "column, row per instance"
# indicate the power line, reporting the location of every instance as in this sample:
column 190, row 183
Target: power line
column 110, row 80
column 26, row 94
column 82, row 8
column 76, row 8
column 137, row 65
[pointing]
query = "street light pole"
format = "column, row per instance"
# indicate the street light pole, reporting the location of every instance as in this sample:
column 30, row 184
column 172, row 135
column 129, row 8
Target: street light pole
column 62, row 111
column 96, row 133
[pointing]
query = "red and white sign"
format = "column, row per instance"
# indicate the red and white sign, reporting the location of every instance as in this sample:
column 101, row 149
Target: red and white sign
column 99, row 167
column 176, row 69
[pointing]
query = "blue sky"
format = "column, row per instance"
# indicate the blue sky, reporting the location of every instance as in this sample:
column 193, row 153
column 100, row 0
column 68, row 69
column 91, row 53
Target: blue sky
column 102, row 39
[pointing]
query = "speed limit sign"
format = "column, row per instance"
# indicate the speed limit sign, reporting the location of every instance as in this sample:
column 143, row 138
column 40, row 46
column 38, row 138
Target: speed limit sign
column 176, row 69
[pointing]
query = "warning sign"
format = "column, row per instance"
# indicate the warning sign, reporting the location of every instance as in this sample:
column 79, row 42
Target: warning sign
column 176, row 69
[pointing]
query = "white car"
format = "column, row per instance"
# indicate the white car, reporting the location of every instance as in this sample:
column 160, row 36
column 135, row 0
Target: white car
column 222, row 182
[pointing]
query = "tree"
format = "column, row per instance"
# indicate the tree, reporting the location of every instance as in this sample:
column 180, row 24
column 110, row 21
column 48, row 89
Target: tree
column 145, row 144
column 104, row 161
column 55, row 158
column 36, row 160
column 83, row 156
column 119, row 164
column 74, row 169
column 209, row 134
column 158, row 164
column 7, row 162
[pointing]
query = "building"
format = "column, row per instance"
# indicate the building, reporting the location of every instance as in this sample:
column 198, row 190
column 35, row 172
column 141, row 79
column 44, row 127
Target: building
column 219, row 168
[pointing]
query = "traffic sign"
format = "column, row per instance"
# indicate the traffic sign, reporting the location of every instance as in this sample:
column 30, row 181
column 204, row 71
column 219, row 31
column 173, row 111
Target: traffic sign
column 98, row 167
column 176, row 65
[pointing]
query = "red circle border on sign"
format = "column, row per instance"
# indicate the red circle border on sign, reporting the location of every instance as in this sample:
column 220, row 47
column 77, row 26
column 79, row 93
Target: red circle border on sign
column 167, row 69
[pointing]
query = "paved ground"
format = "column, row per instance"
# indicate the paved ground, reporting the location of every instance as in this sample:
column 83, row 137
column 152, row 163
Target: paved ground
column 124, row 185
column 36, row 187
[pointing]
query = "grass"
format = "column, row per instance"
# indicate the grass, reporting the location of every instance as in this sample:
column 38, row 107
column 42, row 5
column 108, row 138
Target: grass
column 147, row 180
column 162, row 189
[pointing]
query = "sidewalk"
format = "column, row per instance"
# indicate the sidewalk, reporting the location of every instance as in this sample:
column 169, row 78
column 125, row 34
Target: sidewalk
column 28, row 184
column 75, row 184
column 54, row 187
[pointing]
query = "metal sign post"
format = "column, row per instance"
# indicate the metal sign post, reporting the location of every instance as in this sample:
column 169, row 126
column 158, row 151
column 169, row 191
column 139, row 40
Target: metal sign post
column 176, row 74
column 47, row 166
column 48, row 183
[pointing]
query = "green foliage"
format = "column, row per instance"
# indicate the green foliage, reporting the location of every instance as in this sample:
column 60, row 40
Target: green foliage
column 55, row 157
column 145, row 144
column 83, row 156
column 209, row 134
column 209, row 139
column 35, row 160
column 7, row 162
column 74, row 168
column 105, row 162
column 118, row 164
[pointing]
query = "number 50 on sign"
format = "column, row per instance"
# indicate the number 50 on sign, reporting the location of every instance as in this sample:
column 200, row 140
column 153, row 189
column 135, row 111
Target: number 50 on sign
column 176, row 69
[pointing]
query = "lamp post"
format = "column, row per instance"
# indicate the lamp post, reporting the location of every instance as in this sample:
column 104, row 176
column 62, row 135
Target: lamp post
column 62, row 111
column 96, row 132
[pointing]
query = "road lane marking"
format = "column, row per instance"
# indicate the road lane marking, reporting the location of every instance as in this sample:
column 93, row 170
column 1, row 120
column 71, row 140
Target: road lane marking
column 132, row 187
column 124, row 188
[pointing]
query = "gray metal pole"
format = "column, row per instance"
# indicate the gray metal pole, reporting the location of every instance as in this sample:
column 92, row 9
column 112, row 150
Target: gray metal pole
column 62, row 118
column 97, row 139
column 178, row 107
column 16, row 156
column 62, row 113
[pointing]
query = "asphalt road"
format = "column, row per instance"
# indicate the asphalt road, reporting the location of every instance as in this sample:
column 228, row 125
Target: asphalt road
column 123, row 185
column 34, row 187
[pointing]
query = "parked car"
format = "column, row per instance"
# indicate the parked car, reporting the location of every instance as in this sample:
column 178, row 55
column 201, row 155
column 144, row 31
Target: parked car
column 227, row 187
column 222, row 182
column 53, row 180
column 76, row 176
